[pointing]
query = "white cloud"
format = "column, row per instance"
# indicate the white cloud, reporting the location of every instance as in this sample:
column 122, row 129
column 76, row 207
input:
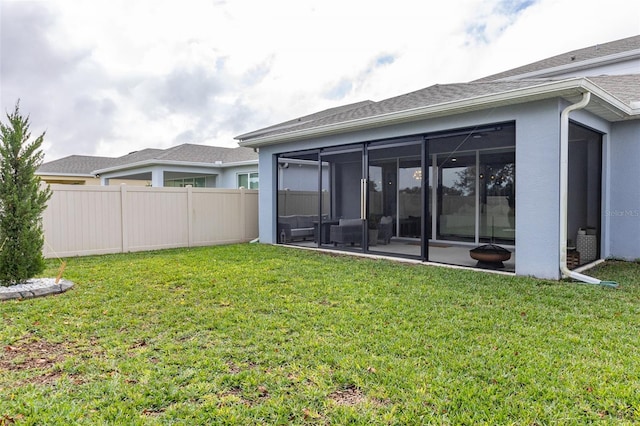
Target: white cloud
column 109, row 77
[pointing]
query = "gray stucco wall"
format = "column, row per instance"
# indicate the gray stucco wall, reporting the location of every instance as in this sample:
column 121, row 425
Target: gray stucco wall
column 228, row 177
column 302, row 177
column 537, row 191
column 622, row 213
column 268, row 169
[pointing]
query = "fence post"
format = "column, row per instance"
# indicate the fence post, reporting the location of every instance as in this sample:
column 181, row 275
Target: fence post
column 243, row 213
column 123, row 216
column 190, row 214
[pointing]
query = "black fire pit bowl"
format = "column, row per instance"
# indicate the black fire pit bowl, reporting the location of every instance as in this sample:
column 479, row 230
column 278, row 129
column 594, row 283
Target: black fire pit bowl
column 490, row 256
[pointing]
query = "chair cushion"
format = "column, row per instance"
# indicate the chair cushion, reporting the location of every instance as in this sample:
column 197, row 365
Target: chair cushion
column 350, row 222
column 306, row 221
column 292, row 221
column 386, row 220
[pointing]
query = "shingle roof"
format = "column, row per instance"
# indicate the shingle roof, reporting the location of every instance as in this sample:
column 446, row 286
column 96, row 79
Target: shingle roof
column 187, row 153
column 433, row 95
column 573, row 57
column 307, row 118
column 437, row 94
column 76, row 165
column 207, row 154
column 137, row 156
column 624, row 87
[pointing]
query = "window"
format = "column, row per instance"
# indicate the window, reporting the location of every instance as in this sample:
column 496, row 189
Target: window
column 248, row 180
column 196, row 182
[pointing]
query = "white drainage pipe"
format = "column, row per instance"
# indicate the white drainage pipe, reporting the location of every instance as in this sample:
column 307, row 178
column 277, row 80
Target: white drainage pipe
column 564, row 191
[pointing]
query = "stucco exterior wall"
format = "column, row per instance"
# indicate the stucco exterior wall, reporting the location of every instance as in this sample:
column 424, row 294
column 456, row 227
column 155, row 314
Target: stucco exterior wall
column 622, row 214
column 218, row 177
column 154, row 174
column 538, row 190
column 228, row 177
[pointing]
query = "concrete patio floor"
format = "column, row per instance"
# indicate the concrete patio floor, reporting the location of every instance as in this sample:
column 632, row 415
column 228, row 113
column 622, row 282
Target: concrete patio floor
column 445, row 252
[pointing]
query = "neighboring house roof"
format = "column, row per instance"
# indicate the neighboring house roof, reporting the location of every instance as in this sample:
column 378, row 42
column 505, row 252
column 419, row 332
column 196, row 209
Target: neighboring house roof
column 616, row 98
column 75, row 165
column 185, row 154
column 136, row 156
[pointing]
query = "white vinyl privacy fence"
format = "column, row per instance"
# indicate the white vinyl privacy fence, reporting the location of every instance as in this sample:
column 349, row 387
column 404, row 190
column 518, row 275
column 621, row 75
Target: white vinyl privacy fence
column 85, row 220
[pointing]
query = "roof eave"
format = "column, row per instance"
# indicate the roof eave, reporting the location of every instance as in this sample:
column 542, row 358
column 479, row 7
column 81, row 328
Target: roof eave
column 63, row 174
column 239, row 163
column 147, row 163
column 568, row 87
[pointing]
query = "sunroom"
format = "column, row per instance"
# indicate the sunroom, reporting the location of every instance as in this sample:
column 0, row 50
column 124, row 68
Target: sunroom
column 429, row 197
column 523, row 170
column 433, row 197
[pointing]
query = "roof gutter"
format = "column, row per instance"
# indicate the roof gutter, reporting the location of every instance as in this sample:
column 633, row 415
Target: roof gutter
column 63, row 174
column 237, row 164
column 147, row 163
column 564, row 194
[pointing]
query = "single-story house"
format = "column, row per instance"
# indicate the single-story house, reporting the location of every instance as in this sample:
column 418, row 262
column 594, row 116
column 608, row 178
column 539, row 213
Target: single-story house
column 186, row 164
column 541, row 160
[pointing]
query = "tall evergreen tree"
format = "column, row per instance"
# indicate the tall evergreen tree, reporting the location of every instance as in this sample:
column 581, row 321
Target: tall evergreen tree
column 22, row 201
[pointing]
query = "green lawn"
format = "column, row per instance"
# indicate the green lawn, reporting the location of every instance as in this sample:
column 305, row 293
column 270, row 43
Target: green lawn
column 256, row 334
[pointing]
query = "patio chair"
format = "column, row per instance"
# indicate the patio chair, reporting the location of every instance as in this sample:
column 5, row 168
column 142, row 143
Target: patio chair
column 348, row 231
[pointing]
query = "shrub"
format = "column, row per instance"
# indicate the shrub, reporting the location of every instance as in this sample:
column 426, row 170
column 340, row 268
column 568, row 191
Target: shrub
column 22, row 201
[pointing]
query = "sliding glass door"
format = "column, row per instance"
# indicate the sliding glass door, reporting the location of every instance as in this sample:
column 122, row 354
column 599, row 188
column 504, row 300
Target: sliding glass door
column 476, row 196
column 475, row 199
column 345, row 190
column 497, row 196
column 396, row 199
column 456, row 196
column 301, row 205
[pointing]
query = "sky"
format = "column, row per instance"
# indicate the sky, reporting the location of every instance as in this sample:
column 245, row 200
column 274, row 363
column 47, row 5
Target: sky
column 110, row 77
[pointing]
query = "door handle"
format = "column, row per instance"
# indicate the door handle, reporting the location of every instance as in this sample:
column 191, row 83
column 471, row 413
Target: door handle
column 363, row 199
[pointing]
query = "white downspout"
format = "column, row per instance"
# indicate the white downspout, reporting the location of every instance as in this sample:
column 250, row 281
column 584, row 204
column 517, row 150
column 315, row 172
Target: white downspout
column 564, row 191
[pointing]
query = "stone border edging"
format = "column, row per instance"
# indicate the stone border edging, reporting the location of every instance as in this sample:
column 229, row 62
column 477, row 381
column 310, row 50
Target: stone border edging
column 35, row 287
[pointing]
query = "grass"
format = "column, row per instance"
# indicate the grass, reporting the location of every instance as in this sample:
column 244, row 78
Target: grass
column 256, row 334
